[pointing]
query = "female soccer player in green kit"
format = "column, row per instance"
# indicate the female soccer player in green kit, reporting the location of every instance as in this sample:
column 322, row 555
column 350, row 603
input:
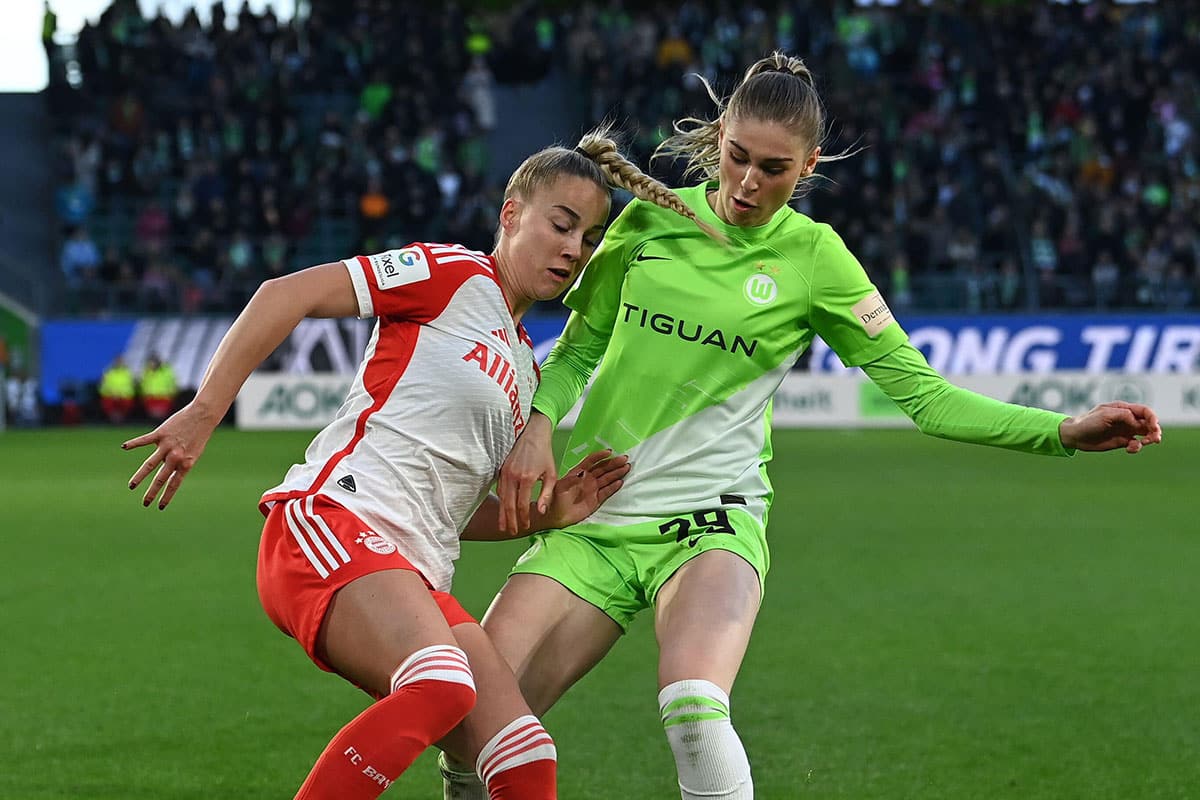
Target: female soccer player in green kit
column 692, row 339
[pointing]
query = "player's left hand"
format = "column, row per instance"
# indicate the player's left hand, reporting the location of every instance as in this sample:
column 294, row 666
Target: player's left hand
column 584, row 488
column 1110, row 426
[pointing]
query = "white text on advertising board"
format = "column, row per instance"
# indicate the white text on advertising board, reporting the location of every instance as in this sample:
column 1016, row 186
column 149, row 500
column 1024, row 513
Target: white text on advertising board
column 1044, row 348
column 1073, row 394
column 303, row 401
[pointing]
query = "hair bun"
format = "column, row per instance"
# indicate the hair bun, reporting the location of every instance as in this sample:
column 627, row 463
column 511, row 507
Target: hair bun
column 780, row 62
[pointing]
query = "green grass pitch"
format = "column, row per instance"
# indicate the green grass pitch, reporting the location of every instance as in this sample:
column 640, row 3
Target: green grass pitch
column 941, row 621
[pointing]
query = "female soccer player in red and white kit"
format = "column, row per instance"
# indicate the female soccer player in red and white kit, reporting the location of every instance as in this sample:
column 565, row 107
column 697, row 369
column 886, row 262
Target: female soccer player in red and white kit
column 357, row 552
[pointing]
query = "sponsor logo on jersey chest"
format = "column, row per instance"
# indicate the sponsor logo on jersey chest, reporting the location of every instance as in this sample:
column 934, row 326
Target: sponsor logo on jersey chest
column 492, row 363
column 688, row 331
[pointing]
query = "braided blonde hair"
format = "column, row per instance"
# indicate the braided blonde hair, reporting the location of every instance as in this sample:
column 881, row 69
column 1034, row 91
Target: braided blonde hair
column 598, row 158
column 621, row 172
column 778, row 88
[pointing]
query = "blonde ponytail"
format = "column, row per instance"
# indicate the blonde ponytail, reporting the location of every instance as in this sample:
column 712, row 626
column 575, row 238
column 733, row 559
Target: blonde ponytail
column 621, row 172
column 779, row 88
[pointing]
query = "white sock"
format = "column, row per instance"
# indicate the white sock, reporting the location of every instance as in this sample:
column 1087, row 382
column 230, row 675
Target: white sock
column 459, row 781
column 521, row 741
column 709, row 756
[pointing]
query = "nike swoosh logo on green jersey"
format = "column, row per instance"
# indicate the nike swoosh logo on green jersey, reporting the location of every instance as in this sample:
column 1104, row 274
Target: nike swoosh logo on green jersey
column 644, row 257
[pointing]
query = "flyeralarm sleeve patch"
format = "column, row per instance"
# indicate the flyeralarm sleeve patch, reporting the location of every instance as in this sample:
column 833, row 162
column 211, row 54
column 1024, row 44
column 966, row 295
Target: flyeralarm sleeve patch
column 872, row 313
column 399, row 267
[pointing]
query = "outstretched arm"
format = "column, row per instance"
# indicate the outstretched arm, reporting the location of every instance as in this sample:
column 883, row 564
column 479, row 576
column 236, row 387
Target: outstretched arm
column 942, row 409
column 576, row 496
column 274, row 311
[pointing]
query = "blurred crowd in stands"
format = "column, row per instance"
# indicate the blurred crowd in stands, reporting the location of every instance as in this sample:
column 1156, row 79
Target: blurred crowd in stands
column 1003, row 156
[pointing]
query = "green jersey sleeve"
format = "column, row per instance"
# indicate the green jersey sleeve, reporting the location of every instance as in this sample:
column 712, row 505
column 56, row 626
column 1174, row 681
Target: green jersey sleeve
column 594, row 301
column 597, row 295
column 848, row 312
column 566, row 371
column 946, row 411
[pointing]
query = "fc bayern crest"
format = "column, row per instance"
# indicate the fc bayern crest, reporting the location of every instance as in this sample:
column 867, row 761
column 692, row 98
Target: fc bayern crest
column 375, row 543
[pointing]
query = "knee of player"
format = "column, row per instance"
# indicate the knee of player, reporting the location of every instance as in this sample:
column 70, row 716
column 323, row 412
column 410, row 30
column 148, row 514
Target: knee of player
column 459, row 700
column 444, row 671
column 452, row 701
column 692, row 701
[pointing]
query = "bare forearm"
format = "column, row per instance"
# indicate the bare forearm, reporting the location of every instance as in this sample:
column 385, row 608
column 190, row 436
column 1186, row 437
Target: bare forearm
column 266, row 321
column 484, row 526
column 262, row 326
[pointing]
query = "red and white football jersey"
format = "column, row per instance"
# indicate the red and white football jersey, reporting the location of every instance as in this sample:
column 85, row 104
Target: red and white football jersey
column 442, row 392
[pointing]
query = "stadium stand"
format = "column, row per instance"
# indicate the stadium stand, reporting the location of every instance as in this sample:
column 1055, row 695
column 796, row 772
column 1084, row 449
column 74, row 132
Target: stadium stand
column 1049, row 165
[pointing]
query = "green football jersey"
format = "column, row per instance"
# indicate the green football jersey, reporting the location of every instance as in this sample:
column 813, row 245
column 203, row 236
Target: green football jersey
column 695, row 338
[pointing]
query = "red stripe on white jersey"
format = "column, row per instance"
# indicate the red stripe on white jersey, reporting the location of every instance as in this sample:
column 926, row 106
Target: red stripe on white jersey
column 383, row 371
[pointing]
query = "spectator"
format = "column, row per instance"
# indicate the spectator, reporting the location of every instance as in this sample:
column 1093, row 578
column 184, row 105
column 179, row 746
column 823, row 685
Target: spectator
column 674, row 51
column 900, row 284
column 1042, row 251
column 156, row 290
column 373, row 208
column 158, row 388
column 86, row 156
column 126, row 119
column 1178, row 288
column 1106, row 278
column 21, row 400
column 979, row 287
column 479, row 93
column 963, row 251
column 75, row 202
column 1103, row 156
column 80, row 259
column 117, row 390
column 153, row 228
column 1008, row 288
column 376, row 95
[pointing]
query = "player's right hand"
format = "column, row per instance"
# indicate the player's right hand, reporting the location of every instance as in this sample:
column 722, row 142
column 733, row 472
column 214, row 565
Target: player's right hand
column 530, row 460
column 179, row 441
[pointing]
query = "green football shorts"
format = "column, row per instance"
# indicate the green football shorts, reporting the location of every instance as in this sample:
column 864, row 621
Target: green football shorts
column 620, row 570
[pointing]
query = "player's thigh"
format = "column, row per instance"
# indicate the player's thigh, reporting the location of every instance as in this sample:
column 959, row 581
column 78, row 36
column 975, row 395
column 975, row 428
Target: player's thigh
column 549, row 636
column 375, row 622
column 499, row 698
column 703, row 618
